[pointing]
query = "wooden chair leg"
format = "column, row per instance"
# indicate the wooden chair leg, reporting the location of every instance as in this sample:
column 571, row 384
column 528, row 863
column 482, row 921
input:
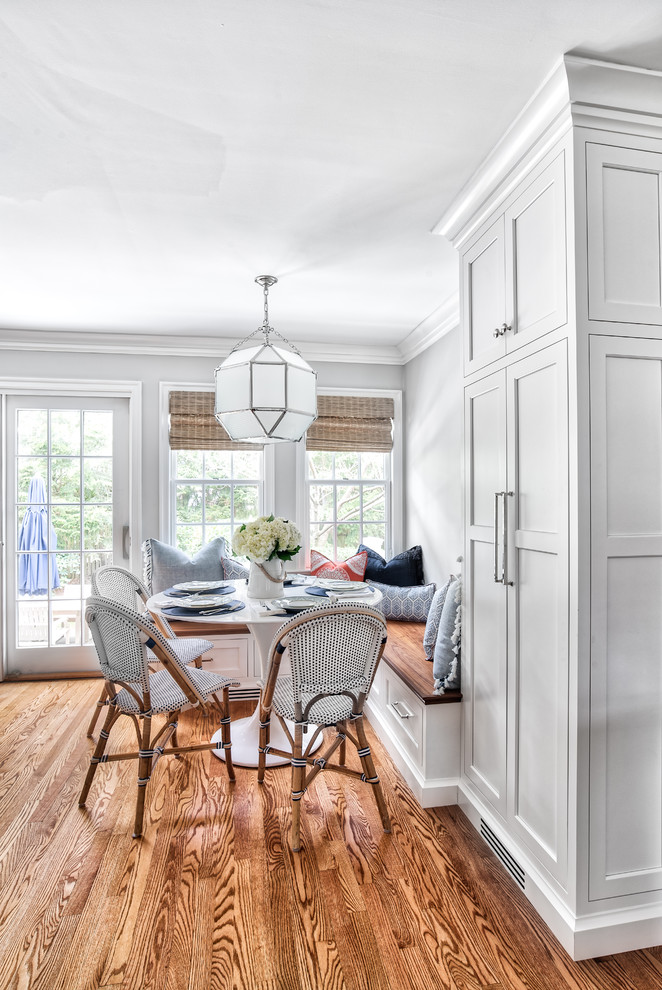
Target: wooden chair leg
column 265, row 734
column 298, row 777
column 342, row 753
column 225, row 733
column 144, row 773
column 95, row 760
column 371, row 774
column 97, row 711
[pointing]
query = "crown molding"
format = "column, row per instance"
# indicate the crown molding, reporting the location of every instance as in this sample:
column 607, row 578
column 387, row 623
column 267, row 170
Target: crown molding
column 440, row 322
column 577, row 91
column 67, row 341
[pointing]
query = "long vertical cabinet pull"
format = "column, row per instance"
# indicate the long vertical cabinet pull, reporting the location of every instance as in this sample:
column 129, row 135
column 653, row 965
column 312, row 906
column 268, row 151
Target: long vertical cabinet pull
column 497, row 579
column 504, row 541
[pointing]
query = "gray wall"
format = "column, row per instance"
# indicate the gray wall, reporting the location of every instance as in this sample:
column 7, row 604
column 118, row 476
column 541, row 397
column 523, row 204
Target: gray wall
column 433, row 455
column 151, row 370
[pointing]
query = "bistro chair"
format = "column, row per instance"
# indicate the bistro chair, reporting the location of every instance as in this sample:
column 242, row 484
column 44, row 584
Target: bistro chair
column 123, row 587
column 122, row 638
column 333, row 651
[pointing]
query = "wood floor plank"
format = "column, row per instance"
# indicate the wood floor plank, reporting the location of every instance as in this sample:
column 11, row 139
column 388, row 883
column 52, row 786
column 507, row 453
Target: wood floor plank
column 213, row 897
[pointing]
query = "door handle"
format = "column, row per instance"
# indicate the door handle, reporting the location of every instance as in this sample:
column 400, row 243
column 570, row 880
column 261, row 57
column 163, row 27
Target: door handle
column 504, row 541
column 126, row 542
column 497, row 579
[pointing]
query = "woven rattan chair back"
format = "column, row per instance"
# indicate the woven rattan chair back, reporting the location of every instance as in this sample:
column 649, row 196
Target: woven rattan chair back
column 120, row 586
column 333, row 652
column 334, row 649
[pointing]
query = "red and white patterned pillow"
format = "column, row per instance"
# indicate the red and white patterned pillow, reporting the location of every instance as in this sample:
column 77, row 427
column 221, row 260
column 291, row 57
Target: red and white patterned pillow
column 352, row 569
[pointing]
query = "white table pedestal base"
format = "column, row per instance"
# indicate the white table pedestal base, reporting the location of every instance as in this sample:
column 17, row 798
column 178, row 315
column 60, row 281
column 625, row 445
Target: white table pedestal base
column 245, row 735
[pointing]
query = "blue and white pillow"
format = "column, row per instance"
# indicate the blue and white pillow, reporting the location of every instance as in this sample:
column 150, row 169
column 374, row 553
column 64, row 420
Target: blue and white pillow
column 410, row 604
column 434, row 618
column 446, row 663
column 165, row 565
column 233, row 570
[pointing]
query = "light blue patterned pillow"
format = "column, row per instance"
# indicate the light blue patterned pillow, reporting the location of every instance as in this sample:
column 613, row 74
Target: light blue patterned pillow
column 405, row 604
column 165, row 565
column 233, row 570
column 446, row 650
column 434, row 618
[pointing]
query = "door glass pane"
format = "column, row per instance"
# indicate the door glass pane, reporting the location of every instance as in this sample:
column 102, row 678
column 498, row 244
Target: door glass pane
column 65, row 479
column 65, row 431
column 28, row 468
column 98, row 432
column 32, row 628
column 98, row 479
column 98, row 527
column 66, row 628
column 68, row 566
column 32, row 431
column 66, row 527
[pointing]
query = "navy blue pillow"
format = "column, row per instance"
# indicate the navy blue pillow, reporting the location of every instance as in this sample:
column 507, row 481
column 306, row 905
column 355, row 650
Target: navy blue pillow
column 403, row 570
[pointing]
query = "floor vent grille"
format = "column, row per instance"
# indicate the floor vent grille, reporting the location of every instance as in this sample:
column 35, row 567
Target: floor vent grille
column 513, row 867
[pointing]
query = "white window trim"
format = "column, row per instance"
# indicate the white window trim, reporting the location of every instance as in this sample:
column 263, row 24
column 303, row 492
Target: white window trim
column 166, row 522
column 130, row 390
column 395, row 482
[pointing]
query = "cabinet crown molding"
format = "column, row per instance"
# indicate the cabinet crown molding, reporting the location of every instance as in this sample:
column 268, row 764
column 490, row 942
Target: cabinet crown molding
column 576, row 89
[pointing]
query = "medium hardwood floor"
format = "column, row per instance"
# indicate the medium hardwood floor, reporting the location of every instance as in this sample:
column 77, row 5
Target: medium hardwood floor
column 212, row 897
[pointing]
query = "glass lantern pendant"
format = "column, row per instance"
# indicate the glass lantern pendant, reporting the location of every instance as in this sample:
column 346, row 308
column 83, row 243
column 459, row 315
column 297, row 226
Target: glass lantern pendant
column 265, row 392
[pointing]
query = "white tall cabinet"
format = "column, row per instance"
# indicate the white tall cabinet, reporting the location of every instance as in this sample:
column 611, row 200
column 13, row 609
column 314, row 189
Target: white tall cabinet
column 561, row 311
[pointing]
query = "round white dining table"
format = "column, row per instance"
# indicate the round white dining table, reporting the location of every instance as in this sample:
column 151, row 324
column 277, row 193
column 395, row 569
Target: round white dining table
column 263, row 625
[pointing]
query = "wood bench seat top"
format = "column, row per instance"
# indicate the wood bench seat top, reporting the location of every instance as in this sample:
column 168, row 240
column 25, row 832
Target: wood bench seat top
column 404, row 654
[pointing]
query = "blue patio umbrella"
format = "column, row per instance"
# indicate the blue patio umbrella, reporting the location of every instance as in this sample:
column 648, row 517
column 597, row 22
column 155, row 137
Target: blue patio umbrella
column 33, row 567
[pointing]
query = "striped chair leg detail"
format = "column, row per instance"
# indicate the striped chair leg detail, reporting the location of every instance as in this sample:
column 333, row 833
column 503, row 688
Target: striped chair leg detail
column 144, row 773
column 101, row 703
column 298, row 778
column 371, row 774
column 225, row 733
column 110, row 720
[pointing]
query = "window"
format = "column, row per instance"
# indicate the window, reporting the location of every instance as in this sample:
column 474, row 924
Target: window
column 214, row 484
column 213, row 492
column 350, row 495
column 348, row 501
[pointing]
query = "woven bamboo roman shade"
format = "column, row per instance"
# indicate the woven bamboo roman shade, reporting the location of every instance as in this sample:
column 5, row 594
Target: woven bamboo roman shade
column 352, row 422
column 193, row 425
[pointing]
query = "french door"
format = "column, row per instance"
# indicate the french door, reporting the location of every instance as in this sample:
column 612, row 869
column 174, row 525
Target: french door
column 67, row 499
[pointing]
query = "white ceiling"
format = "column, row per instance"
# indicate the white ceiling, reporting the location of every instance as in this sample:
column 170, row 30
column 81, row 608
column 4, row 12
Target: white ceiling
column 157, row 155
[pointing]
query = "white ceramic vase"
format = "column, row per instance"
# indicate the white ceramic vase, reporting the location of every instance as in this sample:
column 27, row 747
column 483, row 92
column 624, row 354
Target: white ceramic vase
column 269, row 584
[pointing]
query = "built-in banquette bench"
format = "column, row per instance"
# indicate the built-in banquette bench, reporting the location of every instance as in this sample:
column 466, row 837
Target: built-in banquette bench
column 420, row 729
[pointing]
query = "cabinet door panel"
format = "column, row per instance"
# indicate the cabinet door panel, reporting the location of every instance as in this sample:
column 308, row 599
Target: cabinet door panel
column 484, row 632
column 483, row 298
column 624, row 215
column 536, row 258
column 537, row 441
column 626, row 620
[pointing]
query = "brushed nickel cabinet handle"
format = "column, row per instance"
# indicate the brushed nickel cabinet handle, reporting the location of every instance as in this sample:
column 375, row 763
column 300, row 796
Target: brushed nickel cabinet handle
column 395, row 705
column 504, row 541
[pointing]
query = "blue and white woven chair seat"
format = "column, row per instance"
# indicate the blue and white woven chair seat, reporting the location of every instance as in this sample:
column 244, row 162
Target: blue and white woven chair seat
column 189, row 649
column 327, row 711
column 166, row 695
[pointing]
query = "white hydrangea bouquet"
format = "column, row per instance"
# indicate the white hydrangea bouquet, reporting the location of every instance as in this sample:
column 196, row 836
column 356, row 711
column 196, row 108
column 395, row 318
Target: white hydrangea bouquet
column 267, row 542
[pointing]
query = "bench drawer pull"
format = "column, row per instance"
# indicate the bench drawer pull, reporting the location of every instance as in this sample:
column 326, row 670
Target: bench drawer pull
column 397, row 705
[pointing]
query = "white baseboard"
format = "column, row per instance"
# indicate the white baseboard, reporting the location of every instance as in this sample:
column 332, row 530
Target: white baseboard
column 602, row 933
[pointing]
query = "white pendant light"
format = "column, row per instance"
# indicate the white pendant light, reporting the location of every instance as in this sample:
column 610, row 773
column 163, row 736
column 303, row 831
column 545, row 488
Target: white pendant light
column 265, row 392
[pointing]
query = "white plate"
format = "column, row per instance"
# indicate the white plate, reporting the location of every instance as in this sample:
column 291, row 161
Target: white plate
column 199, row 585
column 330, row 585
column 202, row 601
column 295, row 603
